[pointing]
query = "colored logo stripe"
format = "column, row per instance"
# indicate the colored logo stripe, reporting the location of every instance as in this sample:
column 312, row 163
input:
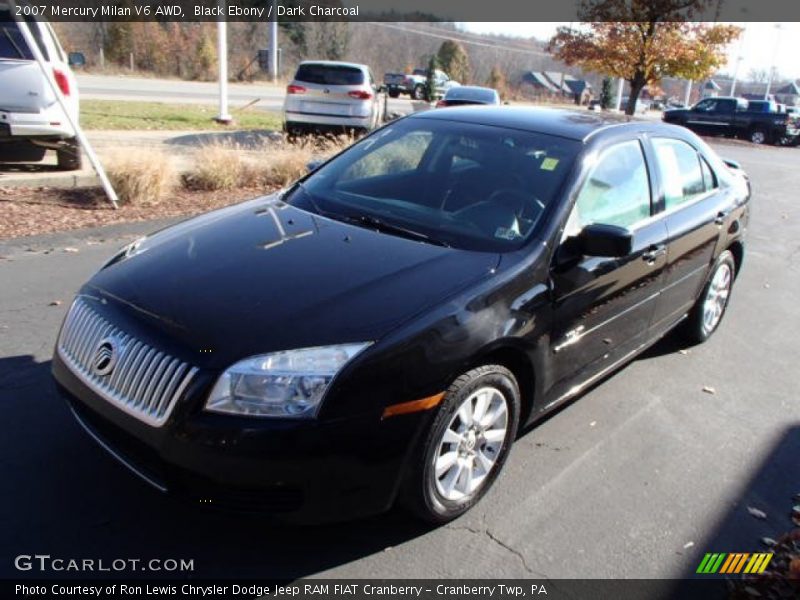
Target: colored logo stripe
column 733, row 563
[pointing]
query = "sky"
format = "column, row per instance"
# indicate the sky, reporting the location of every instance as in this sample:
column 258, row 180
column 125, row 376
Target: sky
column 759, row 45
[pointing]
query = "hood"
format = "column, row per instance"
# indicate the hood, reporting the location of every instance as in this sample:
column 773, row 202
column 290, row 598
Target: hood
column 264, row 276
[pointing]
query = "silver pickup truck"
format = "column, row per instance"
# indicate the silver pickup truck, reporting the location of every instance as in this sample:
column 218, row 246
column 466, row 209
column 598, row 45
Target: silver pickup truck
column 31, row 119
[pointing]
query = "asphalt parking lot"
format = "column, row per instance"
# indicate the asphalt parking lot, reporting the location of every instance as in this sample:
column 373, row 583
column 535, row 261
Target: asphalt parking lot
column 638, row 478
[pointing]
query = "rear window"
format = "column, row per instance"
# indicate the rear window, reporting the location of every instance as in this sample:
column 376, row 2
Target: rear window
column 12, row 44
column 329, row 74
column 478, row 95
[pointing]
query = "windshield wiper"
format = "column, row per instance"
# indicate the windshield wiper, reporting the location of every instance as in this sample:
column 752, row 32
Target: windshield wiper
column 380, row 225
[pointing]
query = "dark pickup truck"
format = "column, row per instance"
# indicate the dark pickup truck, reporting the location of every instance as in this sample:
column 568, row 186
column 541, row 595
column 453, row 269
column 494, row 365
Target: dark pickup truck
column 732, row 117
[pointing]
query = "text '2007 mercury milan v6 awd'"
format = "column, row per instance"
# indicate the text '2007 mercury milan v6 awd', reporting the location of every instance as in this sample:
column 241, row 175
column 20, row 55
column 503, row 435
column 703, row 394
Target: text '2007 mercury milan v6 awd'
column 380, row 330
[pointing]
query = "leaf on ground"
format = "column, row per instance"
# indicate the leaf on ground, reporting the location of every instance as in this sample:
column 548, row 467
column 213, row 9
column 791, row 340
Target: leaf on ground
column 71, row 249
column 755, row 512
column 688, row 545
column 55, row 303
column 709, row 390
column 684, row 351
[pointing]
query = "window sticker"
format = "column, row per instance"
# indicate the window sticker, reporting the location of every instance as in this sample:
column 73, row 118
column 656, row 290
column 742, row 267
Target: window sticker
column 549, row 164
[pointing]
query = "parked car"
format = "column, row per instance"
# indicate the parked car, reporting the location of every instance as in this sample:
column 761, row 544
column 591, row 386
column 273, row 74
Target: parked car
column 733, row 117
column 414, row 84
column 332, row 96
column 381, row 330
column 464, row 95
column 31, row 119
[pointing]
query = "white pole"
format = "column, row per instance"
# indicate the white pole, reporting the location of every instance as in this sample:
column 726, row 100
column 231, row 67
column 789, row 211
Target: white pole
column 735, row 75
column 273, row 43
column 774, row 58
column 48, row 76
column 688, row 92
column 620, row 86
column 222, row 59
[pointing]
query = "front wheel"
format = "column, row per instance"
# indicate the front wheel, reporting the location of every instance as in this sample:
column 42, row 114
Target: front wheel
column 707, row 313
column 466, row 445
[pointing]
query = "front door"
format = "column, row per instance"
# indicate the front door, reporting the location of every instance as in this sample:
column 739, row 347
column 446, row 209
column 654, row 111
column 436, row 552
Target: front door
column 604, row 306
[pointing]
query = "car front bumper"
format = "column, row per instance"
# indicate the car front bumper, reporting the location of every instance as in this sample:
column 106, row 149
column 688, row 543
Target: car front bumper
column 305, row 470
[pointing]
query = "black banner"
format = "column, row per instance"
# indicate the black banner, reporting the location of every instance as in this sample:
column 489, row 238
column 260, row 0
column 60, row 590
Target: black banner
column 374, row 10
column 712, row 588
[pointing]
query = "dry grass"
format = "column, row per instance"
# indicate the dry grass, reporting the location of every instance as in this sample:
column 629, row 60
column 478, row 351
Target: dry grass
column 226, row 166
column 145, row 178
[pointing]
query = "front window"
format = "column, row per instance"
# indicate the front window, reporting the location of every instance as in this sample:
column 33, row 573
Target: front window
column 616, row 192
column 458, row 184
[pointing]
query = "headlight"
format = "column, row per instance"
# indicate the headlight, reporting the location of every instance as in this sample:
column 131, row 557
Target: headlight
column 283, row 384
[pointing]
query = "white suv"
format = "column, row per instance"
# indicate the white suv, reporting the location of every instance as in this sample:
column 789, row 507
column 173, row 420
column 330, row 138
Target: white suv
column 331, row 96
column 31, row 119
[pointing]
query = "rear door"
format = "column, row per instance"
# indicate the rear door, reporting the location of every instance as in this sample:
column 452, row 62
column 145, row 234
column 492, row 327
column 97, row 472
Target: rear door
column 604, row 306
column 328, row 88
column 694, row 210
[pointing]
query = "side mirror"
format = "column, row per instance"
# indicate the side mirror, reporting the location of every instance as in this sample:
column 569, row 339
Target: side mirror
column 76, row 59
column 314, row 164
column 732, row 164
column 605, row 240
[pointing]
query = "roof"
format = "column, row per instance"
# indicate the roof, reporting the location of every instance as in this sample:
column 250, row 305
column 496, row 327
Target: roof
column 791, row 89
column 540, row 79
column 335, row 63
column 571, row 124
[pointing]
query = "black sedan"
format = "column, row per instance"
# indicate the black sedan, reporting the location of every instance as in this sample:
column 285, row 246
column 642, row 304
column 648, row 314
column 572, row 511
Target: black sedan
column 382, row 329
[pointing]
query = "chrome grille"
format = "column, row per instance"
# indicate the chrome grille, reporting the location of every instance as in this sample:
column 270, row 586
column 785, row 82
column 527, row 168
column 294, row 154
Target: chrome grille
column 143, row 381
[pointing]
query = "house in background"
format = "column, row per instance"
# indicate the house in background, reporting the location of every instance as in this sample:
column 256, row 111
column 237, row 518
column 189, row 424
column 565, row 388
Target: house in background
column 789, row 94
column 711, row 89
column 554, row 84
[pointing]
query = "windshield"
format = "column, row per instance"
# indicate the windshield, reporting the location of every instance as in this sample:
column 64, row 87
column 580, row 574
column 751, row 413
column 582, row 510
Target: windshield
column 463, row 185
column 12, row 44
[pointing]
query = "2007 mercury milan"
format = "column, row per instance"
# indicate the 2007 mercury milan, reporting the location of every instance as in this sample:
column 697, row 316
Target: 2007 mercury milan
column 380, row 330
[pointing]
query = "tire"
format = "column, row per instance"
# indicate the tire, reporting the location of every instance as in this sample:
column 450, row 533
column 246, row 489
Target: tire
column 758, row 136
column 418, row 92
column 707, row 313
column 394, row 93
column 454, row 444
column 69, row 155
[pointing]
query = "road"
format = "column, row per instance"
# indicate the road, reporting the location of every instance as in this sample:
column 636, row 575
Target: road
column 638, row 478
column 174, row 91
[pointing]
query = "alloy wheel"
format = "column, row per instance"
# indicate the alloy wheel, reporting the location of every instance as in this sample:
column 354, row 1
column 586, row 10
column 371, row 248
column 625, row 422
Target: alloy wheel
column 717, row 297
column 470, row 445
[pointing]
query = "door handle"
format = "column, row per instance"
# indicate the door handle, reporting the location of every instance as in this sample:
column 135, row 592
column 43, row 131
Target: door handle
column 721, row 216
column 651, row 255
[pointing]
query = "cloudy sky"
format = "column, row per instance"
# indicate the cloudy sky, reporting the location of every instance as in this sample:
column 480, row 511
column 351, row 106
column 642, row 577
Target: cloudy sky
column 760, row 44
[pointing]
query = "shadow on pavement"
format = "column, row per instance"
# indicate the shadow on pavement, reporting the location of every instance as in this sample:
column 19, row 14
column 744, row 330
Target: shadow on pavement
column 247, row 140
column 771, row 489
column 66, row 497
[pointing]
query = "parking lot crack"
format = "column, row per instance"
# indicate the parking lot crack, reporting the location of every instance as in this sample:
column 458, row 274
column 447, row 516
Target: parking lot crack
column 504, row 545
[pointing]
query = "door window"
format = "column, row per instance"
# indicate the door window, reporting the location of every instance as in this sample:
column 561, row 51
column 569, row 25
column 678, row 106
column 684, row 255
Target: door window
column 617, row 191
column 681, row 171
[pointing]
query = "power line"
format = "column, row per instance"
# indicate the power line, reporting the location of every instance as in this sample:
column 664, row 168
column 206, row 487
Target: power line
column 464, row 41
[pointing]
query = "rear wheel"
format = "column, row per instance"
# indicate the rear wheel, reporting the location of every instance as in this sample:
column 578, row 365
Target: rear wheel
column 394, row 93
column 707, row 313
column 466, row 445
column 758, row 136
column 69, row 155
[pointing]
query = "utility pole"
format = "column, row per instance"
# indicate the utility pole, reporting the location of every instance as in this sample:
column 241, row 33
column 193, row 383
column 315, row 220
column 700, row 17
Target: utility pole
column 224, row 116
column 688, row 92
column 273, row 43
column 620, row 86
column 774, row 58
